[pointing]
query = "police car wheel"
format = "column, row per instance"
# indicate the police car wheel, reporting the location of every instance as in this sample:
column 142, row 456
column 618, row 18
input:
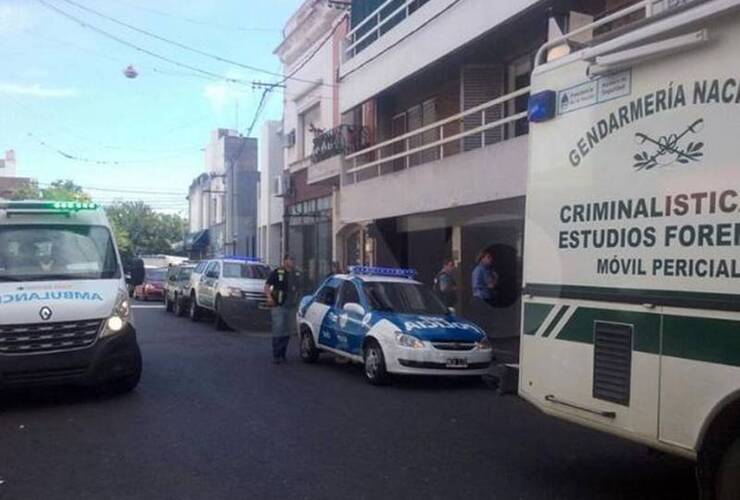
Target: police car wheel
column 309, row 353
column 727, row 485
column 375, row 371
column 219, row 320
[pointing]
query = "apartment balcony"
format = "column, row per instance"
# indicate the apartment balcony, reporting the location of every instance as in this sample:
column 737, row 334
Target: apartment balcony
column 475, row 156
column 330, row 146
column 402, row 37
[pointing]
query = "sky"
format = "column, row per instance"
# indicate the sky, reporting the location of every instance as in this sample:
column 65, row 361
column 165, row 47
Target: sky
column 69, row 112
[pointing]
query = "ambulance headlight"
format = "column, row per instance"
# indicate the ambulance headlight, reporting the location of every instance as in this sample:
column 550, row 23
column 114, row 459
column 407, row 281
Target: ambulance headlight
column 406, row 340
column 120, row 316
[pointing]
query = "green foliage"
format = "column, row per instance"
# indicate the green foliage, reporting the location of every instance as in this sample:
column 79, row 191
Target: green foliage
column 140, row 230
column 59, row 190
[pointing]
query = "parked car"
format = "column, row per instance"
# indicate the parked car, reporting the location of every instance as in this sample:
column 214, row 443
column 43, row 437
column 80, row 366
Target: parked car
column 231, row 286
column 153, row 286
column 177, row 288
column 392, row 324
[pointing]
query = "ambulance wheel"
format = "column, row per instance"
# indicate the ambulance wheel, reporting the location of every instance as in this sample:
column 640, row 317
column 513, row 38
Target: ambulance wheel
column 375, row 371
column 727, row 480
column 219, row 320
column 309, row 352
column 194, row 311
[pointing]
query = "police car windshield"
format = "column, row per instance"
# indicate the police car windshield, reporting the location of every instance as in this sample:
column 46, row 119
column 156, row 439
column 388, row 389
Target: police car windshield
column 56, row 252
column 404, row 298
column 243, row 270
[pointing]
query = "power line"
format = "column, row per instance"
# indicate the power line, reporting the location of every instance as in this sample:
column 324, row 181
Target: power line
column 122, row 190
column 312, row 55
column 81, row 159
column 104, row 33
column 179, row 44
column 197, row 21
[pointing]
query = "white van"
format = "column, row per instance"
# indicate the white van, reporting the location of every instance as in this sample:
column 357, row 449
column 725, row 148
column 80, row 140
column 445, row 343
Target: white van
column 631, row 318
column 230, row 287
column 65, row 315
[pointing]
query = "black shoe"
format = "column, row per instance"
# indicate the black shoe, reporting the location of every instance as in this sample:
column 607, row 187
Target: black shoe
column 277, row 361
column 284, row 359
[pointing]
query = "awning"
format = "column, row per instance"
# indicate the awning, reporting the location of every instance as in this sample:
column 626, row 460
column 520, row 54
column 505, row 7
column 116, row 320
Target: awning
column 198, row 241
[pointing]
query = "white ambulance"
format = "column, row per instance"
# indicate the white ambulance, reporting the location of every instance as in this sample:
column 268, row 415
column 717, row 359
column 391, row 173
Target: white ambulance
column 65, row 316
column 631, row 315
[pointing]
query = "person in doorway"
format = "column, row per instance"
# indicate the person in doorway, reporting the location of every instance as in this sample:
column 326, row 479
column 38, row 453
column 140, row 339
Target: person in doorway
column 283, row 291
column 485, row 279
column 445, row 284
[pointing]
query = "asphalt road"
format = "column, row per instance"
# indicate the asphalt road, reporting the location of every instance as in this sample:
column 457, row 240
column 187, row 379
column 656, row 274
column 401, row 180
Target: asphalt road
column 213, row 418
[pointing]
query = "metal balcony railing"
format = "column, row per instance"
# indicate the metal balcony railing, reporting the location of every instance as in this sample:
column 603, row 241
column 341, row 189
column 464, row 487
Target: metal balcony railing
column 486, row 124
column 381, row 20
column 342, row 140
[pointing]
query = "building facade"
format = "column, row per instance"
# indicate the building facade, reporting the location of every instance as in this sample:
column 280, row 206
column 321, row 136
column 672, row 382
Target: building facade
column 11, row 186
column 443, row 169
column 270, row 208
column 223, row 199
column 313, row 135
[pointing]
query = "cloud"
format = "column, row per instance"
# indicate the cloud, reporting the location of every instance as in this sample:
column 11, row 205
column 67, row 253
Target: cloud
column 15, row 18
column 35, row 90
column 221, row 94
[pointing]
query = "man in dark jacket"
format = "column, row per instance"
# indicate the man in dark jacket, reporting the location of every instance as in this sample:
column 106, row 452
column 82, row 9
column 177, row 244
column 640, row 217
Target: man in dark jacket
column 283, row 290
column 445, row 284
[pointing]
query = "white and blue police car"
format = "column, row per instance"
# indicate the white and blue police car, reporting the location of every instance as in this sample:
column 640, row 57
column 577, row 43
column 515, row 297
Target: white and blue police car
column 391, row 323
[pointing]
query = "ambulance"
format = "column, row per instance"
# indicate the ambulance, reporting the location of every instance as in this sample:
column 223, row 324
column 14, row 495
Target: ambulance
column 65, row 316
column 631, row 310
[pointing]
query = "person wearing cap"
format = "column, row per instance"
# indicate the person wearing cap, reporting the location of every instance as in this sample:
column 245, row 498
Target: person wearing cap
column 283, row 291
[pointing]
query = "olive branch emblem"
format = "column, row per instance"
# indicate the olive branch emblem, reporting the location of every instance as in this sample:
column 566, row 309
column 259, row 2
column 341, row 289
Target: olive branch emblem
column 667, row 149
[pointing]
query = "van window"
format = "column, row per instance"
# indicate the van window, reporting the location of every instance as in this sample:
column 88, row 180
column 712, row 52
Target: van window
column 56, row 252
column 241, row 270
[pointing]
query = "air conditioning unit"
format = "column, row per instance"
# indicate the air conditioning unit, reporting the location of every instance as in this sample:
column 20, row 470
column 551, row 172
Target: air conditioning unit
column 282, row 185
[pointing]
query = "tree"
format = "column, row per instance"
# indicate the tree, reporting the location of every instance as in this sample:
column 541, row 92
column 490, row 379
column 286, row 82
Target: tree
column 59, row 190
column 140, row 230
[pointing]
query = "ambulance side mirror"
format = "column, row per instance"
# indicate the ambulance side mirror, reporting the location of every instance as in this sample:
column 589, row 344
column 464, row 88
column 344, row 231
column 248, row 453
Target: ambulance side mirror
column 137, row 272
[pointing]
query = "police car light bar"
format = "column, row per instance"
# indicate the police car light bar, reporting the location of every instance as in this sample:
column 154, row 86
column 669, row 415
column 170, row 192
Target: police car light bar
column 242, row 258
column 383, row 271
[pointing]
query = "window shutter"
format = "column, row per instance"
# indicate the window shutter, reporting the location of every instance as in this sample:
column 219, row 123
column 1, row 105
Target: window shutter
column 480, row 84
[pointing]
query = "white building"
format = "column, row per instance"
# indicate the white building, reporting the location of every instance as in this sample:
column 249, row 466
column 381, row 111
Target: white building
column 270, row 208
column 314, row 141
column 7, row 165
column 440, row 88
column 223, row 199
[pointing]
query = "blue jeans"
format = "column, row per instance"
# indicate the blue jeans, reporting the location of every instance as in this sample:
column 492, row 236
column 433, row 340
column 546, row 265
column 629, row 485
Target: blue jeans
column 283, row 326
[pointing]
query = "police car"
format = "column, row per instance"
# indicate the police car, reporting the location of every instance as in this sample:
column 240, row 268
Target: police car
column 65, row 315
column 392, row 324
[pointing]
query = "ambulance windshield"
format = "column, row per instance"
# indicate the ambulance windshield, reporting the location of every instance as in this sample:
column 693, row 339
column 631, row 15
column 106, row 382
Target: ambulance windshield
column 56, row 252
column 403, row 298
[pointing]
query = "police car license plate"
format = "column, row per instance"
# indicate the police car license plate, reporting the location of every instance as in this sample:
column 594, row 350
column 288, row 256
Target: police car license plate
column 457, row 363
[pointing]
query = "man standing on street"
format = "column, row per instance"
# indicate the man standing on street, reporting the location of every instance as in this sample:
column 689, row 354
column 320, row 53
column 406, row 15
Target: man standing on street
column 485, row 279
column 283, row 289
column 445, row 284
